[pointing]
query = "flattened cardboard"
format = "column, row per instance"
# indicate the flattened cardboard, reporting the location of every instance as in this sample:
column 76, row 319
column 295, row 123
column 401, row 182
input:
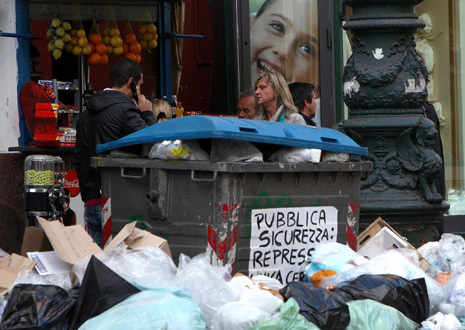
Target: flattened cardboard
column 10, row 267
column 71, row 243
column 135, row 238
column 34, row 239
column 375, row 227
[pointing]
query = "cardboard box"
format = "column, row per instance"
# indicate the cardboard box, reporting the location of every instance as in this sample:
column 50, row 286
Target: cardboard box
column 135, row 238
column 380, row 237
column 10, row 267
column 73, row 243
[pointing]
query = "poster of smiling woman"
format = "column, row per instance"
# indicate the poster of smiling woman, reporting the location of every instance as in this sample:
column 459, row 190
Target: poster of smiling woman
column 284, row 38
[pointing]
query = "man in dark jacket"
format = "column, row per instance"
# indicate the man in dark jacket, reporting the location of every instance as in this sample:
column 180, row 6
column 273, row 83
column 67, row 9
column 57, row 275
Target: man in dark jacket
column 303, row 96
column 113, row 113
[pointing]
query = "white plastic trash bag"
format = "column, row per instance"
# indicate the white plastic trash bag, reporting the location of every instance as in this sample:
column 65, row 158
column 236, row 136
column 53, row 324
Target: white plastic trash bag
column 296, row 155
column 238, row 315
column 224, row 150
column 178, row 150
column 153, row 309
column 148, row 266
column 206, row 283
column 440, row 321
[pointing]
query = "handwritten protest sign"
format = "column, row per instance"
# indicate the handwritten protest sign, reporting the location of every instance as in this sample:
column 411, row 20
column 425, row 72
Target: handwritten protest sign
column 282, row 239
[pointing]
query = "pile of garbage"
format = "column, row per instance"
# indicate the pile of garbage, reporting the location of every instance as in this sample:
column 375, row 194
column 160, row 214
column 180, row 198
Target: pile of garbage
column 134, row 284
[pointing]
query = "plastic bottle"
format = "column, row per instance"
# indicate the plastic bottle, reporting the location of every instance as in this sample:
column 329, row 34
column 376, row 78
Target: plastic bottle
column 179, row 110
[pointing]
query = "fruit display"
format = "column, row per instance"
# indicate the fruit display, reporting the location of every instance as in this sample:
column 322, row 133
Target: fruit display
column 132, row 48
column 59, row 36
column 79, row 43
column 98, row 54
column 112, row 40
column 148, row 36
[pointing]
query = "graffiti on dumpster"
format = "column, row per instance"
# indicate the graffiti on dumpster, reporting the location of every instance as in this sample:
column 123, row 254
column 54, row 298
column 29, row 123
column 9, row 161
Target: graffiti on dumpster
column 227, row 211
column 222, row 248
column 282, row 239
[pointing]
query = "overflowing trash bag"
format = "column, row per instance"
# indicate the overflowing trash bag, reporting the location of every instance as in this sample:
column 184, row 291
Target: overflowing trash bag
column 440, row 321
column 287, row 319
column 147, row 266
column 370, row 314
column 101, row 289
column 152, row 309
column 178, row 150
column 206, row 284
column 296, row 155
column 328, row 309
column 224, row 150
column 37, row 307
column 255, row 304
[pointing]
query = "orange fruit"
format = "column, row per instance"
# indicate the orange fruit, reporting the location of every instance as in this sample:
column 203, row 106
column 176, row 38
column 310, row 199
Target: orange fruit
column 101, row 49
column 92, row 48
column 138, row 58
column 132, row 57
column 130, row 38
column 125, row 48
column 95, row 38
column 104, row 59
column 94, row 58
column 135, row 48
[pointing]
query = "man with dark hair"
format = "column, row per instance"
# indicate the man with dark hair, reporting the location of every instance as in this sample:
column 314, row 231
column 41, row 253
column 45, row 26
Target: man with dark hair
column 303, row 96
column 246, row 107
column 113, row 113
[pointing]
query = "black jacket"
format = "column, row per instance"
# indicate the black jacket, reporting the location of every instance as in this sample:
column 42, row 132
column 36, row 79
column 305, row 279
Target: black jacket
column 110, row 116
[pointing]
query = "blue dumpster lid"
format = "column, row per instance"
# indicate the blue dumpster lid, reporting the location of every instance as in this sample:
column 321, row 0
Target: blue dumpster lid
column 206, row 127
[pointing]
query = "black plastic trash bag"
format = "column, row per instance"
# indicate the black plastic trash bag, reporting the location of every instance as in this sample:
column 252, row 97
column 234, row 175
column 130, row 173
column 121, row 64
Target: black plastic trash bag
column 101, row 289
column 33, row 306
column 328, row 309
column 408, row 297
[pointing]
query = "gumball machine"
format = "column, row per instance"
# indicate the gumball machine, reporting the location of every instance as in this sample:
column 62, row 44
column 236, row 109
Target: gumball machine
column 44, row 192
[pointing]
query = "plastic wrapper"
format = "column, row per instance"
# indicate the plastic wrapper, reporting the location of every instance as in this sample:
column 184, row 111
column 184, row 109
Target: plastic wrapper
column 155, row 308
column 288, row 318
column 178, row 150
column 207, row 284
column 296, row 155
column 148, row 266
column 63, row 280
column 267, row 282
column 101, row 289
column 456, row 294
column 328, row 309
column 370, row 314
column 224, row 150
column 37, row 307
column 392, row 262
column 329, row 259
column 440, row 321
column 451, row 253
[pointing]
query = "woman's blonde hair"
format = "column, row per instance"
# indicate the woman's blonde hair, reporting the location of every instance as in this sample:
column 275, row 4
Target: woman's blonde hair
column 280, row 88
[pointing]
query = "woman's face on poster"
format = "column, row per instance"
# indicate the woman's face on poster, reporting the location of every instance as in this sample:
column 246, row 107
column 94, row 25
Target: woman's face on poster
column 284, row 38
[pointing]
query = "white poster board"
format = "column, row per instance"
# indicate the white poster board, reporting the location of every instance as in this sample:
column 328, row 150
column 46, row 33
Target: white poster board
column 282, row 239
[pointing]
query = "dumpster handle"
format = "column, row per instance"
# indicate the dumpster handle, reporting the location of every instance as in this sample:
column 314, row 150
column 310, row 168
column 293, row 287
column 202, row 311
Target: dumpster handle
column 197, row 179
column 127, row 176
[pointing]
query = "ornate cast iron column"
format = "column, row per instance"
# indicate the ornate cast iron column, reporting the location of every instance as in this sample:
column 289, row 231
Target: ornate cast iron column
column 385, row 89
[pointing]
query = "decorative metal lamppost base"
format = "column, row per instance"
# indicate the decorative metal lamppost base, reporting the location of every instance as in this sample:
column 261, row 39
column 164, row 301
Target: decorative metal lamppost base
column 385, row 90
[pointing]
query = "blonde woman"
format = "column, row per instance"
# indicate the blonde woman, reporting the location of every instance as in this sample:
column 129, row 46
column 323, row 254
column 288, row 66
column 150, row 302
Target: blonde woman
column 274, row 99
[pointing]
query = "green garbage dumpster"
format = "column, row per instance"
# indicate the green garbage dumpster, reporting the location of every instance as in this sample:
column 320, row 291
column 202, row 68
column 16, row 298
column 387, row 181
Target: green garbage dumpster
column 261, row 218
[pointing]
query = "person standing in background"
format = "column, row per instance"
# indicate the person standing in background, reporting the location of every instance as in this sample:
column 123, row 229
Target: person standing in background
column 246, row 107
column 274, row 99
column 303, row 95
column 112, row 113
